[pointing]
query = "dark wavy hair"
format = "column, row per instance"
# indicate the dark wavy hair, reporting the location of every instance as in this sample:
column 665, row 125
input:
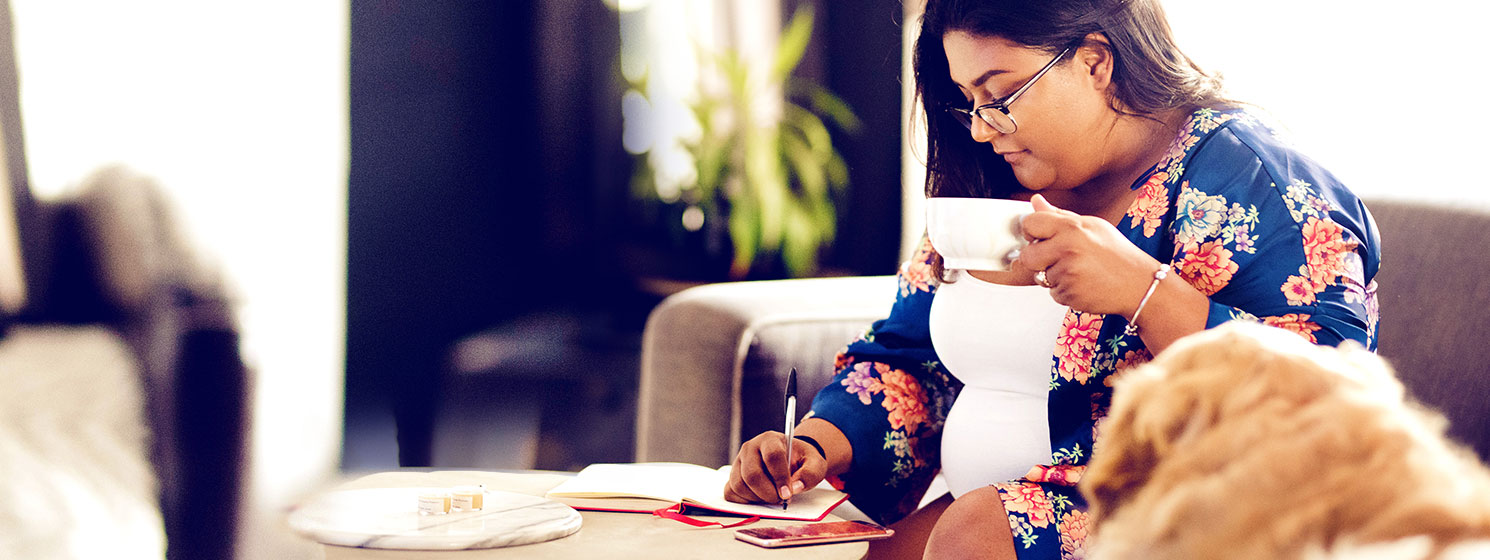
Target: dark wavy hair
column 1150, row 74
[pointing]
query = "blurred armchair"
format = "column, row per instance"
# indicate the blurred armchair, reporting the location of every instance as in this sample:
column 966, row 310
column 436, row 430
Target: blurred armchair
column 123, row 396
column 130, row 358
column 715, row 357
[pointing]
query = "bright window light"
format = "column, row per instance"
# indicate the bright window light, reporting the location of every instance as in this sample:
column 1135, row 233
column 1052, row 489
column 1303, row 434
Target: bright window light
column 239, row 109
column 1385, row 95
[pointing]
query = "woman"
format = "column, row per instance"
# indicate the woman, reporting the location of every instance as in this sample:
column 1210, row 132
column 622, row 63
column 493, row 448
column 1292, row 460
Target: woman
column 1162, row 209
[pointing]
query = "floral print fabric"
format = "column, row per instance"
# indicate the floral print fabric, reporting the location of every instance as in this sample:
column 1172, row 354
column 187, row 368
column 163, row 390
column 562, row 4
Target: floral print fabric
column 1262, row 230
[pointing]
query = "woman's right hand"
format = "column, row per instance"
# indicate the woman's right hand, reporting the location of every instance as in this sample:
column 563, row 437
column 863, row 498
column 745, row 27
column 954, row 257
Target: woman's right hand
column 761, row 473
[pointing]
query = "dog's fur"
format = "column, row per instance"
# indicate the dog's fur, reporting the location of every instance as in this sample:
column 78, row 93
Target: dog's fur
column 1248, row 442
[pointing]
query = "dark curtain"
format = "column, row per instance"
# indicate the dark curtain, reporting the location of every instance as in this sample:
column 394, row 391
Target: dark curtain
column 855, row 52
column 488, row 182
column 484, row 141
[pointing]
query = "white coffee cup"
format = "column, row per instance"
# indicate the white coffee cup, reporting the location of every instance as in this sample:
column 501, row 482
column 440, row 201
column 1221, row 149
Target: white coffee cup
column 976, row 233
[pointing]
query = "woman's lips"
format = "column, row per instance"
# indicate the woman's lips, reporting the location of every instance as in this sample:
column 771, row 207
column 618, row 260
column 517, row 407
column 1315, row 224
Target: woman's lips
column 1013, row 158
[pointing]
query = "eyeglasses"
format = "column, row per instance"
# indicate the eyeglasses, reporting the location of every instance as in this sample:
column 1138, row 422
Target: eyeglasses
column 996, row 113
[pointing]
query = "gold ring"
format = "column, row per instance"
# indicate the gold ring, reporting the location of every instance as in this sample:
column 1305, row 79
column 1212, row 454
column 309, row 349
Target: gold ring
column 1042, row 280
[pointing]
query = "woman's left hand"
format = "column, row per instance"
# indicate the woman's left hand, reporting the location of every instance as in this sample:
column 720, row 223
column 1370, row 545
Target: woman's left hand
column 1089, row 265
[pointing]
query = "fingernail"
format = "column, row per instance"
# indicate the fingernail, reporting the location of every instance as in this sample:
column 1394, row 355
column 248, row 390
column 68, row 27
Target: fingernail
column 797, row 486
column 785, row 494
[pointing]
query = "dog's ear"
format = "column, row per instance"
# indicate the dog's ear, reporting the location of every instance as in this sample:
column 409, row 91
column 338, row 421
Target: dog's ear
column 1179, row 397
column 1154, row 408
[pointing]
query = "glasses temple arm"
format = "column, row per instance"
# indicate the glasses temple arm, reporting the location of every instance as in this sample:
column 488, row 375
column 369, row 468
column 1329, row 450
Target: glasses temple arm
column 1010, row 99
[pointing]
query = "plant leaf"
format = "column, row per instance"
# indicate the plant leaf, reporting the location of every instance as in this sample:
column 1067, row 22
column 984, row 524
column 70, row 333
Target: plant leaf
column 736, row 73
column 767, row 179
column 837, row 172
column 825, row 103
column 810, row 172
column 813, row 131
column 793, row 44
column 744, row 233
column 800, row 246
column 824, row 217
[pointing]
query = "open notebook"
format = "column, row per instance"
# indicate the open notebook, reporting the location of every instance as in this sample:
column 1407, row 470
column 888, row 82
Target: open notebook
column 647, row 487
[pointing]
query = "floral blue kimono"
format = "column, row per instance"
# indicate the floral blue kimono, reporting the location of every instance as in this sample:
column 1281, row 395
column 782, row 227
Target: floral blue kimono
column 1265, row 232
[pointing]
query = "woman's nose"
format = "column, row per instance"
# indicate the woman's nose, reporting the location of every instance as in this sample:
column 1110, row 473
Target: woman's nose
column 981, row 130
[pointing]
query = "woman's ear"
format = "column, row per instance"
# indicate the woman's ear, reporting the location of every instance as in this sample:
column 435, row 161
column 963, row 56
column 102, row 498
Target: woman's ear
column 1095, row 58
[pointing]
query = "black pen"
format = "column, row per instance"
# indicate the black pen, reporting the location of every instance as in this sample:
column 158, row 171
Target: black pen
column 791, row 422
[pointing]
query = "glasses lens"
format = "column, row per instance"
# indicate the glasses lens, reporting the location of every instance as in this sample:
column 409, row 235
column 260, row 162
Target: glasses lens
column 961, row 116
column 997, row 119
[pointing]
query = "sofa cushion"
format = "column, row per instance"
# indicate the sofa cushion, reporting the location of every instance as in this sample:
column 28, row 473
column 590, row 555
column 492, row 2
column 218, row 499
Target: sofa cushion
column 74, row 449
column 1432, row 296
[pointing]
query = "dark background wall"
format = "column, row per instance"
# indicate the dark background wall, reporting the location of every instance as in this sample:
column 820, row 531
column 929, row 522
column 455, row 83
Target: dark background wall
column 856, row 53
column 488, row 212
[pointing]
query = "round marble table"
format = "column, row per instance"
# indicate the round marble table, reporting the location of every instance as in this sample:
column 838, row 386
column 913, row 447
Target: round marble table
column 601, row 535
column 389, row 518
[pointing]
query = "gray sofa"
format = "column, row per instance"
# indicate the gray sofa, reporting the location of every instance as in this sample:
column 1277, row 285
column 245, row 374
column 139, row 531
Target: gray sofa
column 123, row 396
column 714, row 358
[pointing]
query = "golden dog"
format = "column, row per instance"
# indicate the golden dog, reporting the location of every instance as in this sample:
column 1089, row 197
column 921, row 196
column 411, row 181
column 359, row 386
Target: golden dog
column 1248, row 442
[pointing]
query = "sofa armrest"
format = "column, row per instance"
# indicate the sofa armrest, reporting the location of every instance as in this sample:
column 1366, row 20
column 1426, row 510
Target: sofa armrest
column 117, row 259
column 715, row 357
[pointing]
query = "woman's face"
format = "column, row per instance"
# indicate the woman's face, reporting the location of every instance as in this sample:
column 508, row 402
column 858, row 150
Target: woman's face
column 1063, row 119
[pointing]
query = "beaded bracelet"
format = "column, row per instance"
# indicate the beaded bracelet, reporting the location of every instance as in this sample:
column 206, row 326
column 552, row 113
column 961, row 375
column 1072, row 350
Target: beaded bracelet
column 814, row 444
column 1132, row 327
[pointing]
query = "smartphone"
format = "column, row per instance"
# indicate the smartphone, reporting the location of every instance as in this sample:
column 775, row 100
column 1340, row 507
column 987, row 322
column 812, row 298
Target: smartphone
column 813, row 533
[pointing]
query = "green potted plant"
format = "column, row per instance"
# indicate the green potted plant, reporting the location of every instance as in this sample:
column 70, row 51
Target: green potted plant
column 771, row 173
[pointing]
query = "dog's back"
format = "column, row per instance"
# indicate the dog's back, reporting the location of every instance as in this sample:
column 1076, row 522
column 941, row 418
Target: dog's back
column 1248, row 442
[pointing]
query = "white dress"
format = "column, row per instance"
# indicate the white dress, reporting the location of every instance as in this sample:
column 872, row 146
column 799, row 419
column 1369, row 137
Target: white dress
column 998, row 340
